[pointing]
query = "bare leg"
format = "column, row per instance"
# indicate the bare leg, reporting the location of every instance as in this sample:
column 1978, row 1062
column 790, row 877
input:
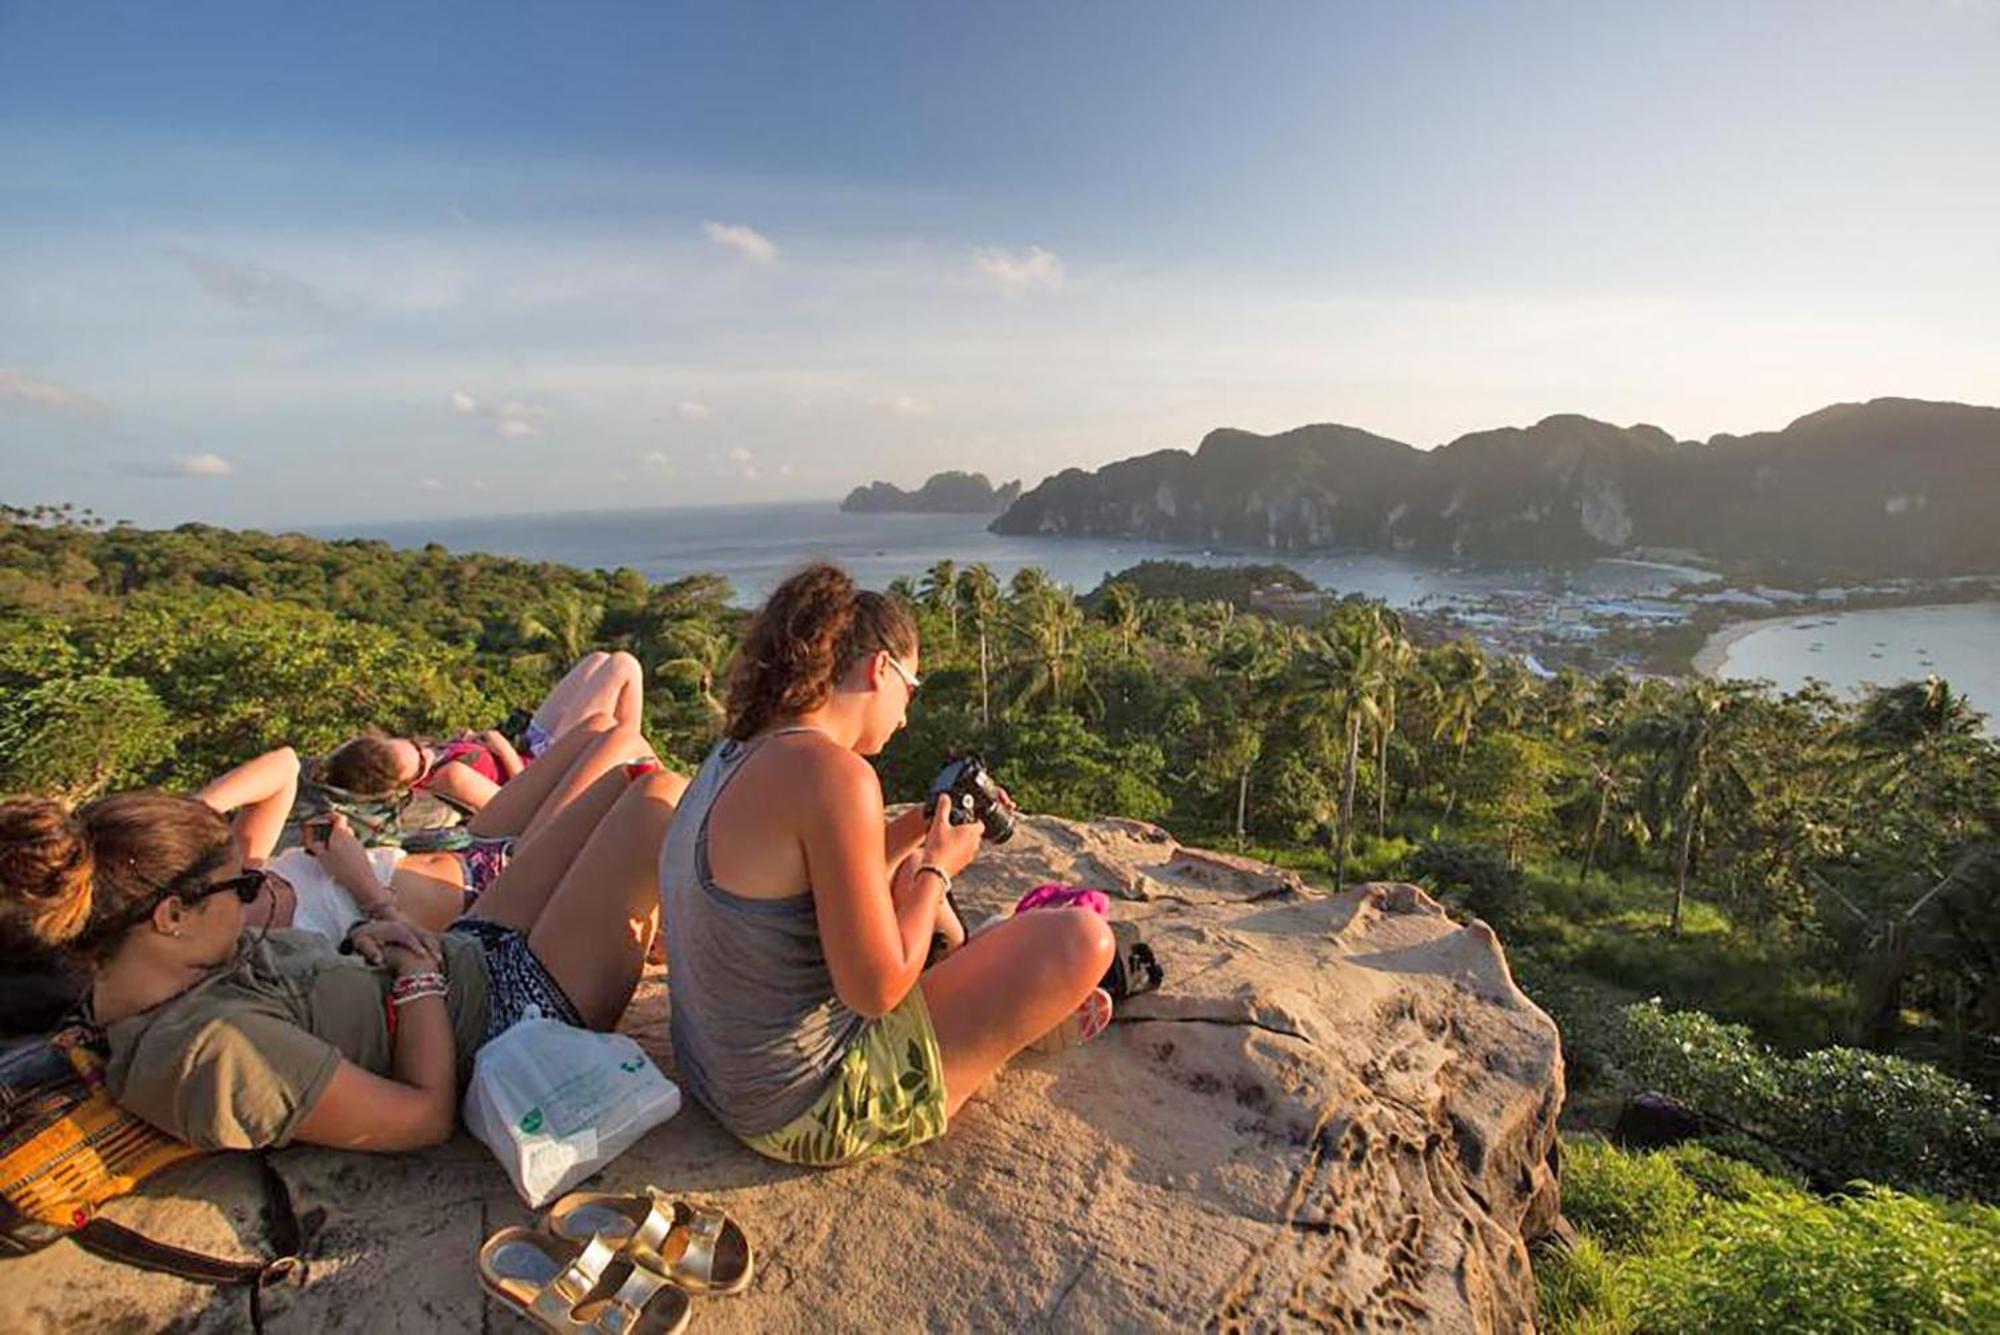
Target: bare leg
column 554, row 781
column 1008, row 986
column 600, row 683
column 593, row 934
column 520, row 893
column 611, row 750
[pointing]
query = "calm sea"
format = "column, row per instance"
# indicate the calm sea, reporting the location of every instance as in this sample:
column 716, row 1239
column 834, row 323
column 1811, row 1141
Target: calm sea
column 1960, row 643
column 756, row 546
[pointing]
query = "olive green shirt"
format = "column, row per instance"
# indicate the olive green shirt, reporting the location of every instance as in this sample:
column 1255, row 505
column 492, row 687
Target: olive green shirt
column 240, row 1058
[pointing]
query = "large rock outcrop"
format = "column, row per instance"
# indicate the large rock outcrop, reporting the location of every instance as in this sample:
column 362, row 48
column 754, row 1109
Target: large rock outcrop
column 1339, row 1113
column 1889, row 487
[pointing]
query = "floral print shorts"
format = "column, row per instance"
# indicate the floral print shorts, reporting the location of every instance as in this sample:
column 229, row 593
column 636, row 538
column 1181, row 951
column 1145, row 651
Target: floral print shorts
column 886, row 1095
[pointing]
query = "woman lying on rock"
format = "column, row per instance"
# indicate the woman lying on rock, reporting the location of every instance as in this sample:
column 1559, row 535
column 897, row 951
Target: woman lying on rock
column 233, row 1039
column 473, row 767
column 797, row 922
column 333, row 882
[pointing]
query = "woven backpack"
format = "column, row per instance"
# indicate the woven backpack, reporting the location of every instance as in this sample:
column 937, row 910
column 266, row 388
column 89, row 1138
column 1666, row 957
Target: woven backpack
column 66, row 1148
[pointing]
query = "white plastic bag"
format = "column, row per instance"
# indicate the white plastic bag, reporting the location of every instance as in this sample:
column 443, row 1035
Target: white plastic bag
column 556, row 1103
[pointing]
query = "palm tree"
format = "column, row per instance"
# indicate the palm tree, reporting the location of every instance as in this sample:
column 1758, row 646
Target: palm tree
column 1118, row 608
column 979, row 592
column 1397, row 656
column 566, row 619
column 1047, row 619
column 1612, row 787
column 1255, row 660
column 696, row 649
column 1692, row 768
column 940, row 594
column 1458, row 686
column 1344, row 663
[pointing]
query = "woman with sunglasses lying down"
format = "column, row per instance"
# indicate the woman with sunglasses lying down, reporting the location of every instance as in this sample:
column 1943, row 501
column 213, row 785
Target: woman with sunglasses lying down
column 231, row 1038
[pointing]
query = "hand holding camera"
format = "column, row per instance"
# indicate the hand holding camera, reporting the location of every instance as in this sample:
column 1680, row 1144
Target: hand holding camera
column 974, row 797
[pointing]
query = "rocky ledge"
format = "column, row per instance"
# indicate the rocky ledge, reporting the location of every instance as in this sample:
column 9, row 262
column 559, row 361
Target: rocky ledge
column 1340, row 1112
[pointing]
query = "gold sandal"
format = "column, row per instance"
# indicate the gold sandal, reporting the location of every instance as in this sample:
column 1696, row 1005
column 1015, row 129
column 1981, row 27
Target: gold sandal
column 697, row 1247
column 560, row 1286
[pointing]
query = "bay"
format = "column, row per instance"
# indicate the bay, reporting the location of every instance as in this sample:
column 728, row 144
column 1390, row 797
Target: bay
column 756, row 546
column 1881, row 646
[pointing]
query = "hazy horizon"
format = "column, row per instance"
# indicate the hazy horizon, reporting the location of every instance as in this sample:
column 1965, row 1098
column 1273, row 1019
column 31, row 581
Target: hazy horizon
column 292, row 270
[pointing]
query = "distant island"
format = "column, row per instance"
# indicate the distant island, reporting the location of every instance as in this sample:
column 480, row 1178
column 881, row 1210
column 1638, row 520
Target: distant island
column 949, row 493
column 1893, row 486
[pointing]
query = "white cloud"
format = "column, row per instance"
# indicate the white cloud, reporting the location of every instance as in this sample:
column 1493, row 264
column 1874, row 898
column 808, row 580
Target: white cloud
column 690, row 411
column 784, row 470
column 904, row 405
column 47, row 398
column 201, row 465
column 430, row 483
column 739, row 462
column 1019, row 272
column 513, row 420
column 251, row 287
column 748, row 242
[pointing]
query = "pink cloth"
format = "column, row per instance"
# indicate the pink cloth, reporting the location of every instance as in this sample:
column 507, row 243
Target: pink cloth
column 1065, row 897
column 474, row 754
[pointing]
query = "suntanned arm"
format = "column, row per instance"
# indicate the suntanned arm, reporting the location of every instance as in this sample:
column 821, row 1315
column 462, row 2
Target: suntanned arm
column 347, row 862
column 464, row 785
column 504, row 755
column 875, row 927
column 905, row 835
column 417, row 1106
column 260, row 792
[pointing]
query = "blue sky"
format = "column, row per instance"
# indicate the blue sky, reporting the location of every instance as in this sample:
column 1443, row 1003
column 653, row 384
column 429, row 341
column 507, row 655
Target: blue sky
column 259, row 265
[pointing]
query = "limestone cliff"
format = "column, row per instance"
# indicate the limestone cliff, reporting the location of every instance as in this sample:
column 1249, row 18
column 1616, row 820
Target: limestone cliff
column 1894, row 486
column 1339, row 1113
column 942, row 493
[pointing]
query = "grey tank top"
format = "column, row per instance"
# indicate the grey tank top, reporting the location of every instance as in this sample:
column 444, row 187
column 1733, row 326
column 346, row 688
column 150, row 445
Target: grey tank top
column 757, row 1028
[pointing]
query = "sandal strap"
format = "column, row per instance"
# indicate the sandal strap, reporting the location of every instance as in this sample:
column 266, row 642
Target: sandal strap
column 559, row 1297
column 623, row 1309
column 650, row 1238
column 704, row 1226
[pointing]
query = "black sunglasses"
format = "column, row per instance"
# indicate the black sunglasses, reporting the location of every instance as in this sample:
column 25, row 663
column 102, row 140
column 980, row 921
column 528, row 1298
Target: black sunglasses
column 246, row 885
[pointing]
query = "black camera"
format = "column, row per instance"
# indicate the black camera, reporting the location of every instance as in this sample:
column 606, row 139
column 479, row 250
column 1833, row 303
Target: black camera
column 974, row 797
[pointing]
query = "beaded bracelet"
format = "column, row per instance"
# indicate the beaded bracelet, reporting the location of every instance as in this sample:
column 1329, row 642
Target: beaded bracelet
column 416, row 994
column 413, row 982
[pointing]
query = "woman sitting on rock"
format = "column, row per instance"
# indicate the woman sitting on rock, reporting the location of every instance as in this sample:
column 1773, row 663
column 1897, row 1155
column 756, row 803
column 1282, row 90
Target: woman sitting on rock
column 797, row 922
column 471, row 769
column 230, row 1039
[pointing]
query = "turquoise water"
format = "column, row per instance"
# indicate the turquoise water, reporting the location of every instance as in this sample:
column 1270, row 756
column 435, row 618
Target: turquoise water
column 757, row 545
column 1851, row 650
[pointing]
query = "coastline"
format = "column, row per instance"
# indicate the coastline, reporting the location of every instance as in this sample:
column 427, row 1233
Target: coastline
column 1714, row 652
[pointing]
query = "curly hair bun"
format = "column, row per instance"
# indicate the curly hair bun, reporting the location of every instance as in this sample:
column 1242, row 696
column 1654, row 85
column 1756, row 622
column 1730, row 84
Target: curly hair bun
column 811, row 628
column 45, row 875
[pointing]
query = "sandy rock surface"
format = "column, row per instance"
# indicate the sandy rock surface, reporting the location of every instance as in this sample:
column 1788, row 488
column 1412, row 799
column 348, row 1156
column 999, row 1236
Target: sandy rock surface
column 1338, row 1113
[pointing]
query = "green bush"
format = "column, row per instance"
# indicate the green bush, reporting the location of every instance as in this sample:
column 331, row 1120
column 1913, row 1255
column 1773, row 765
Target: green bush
column 1697, row 1059
column 1856, row 1115
column 77, row 736
column 1478, row 876
column 1627, row 1201
column 1877, row 1262
column 1581, row 1291
column 1689, row 1240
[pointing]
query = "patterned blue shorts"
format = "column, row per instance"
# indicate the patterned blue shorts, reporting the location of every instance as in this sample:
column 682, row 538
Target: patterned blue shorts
column 516, row 979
